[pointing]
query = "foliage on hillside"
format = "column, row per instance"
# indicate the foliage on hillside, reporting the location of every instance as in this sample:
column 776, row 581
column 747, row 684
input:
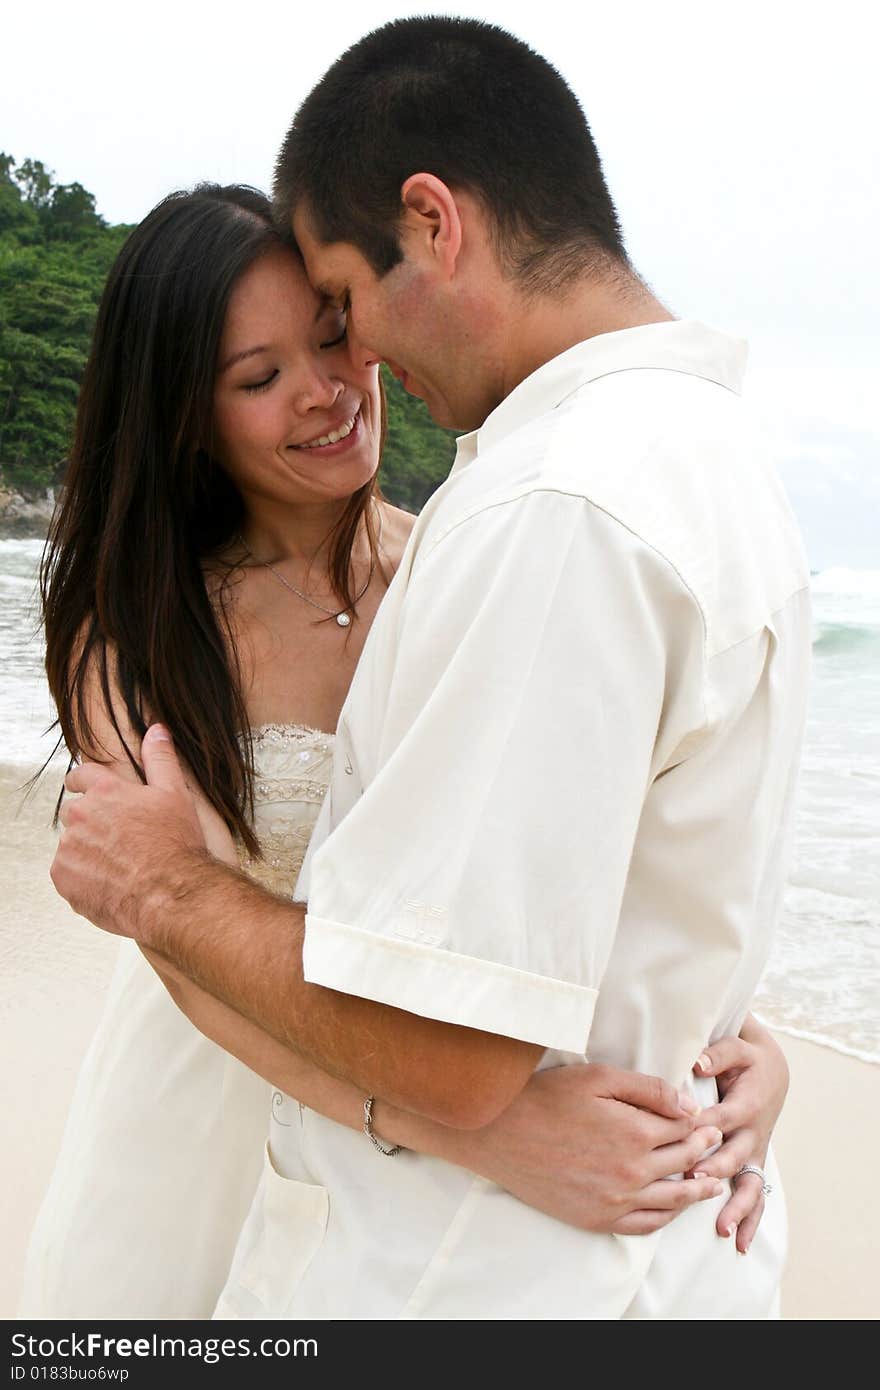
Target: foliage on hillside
column 418, row 454
column 55, row 252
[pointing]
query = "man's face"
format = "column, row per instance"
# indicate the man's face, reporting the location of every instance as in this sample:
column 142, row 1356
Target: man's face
column 404, row 318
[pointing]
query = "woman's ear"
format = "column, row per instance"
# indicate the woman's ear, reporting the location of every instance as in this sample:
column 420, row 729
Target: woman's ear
column 432, row 221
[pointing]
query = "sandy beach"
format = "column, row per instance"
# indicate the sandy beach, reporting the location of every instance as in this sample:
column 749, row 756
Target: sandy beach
column 55, row 969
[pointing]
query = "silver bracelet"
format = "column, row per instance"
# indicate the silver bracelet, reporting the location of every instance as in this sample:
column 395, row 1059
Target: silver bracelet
column 389, row 1150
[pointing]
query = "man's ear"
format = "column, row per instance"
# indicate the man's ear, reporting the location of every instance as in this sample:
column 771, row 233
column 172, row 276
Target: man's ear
column 433, row 220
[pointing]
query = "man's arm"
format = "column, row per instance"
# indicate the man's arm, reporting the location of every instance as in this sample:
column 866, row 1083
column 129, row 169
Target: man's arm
column 122, row 861
column 132, row 860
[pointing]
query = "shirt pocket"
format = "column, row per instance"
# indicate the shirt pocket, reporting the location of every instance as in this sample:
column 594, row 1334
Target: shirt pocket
column 284, row 1231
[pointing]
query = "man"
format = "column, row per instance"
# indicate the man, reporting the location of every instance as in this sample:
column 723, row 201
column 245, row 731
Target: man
column 564, row 771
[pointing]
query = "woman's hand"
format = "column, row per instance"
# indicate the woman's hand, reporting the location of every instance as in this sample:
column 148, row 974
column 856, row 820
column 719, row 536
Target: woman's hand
column 752, row 1076
column 592, row 1145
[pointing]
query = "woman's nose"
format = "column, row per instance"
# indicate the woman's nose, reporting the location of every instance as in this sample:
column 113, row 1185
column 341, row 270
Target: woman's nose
column 317, row 390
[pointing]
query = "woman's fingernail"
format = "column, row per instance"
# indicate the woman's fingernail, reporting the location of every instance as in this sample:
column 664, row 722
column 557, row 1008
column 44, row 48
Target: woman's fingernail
column 718, row 1189
column 703, row 1063
column 730, row 1230
column 742, row 1252
column 688, row 1104
column 159, row 734
column 699, row 1175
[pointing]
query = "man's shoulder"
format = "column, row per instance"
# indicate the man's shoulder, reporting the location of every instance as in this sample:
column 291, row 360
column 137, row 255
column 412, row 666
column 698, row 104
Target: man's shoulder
column 675, row 461
column 685, row 464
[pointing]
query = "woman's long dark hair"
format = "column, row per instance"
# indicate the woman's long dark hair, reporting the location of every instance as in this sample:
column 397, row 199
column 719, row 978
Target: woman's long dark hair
column 122, row 585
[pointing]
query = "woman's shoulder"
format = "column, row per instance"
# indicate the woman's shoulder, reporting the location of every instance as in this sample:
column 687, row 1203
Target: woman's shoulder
column 396, row 527
column 222, row 569
column 101, row 727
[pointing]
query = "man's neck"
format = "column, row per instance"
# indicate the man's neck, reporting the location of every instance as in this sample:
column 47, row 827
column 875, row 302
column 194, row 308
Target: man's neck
column 545, row 326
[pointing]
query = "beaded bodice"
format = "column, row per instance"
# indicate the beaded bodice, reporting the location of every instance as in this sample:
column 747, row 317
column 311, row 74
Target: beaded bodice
column 292, row 764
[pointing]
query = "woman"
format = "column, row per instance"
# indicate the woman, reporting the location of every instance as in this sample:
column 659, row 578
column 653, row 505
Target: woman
column 218, row 558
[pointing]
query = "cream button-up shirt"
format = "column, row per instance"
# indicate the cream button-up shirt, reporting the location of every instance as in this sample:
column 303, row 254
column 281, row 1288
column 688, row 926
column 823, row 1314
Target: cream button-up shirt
column 560, row 811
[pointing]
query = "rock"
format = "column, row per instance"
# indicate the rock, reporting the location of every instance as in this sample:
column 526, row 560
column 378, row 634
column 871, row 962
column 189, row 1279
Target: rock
column 24, row 517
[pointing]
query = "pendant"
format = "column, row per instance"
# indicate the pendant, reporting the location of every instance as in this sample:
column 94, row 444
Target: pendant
column 343, row 619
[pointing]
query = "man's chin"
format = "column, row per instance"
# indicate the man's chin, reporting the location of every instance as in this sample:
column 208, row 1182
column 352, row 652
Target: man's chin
column 446, row 416
column 458, row 421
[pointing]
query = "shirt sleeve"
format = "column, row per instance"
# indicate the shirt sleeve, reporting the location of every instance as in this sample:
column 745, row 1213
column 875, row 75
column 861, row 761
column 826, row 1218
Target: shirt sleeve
column 478, row 879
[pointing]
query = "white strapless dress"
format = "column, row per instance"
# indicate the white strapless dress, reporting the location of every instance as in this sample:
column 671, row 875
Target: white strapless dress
column 163, row 1145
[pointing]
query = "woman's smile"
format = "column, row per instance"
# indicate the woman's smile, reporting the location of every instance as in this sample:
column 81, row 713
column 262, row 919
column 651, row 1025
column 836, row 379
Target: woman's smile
column 338, row 439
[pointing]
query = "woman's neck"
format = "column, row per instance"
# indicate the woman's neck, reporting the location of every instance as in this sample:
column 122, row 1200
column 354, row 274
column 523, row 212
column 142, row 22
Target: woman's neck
column 301, row 532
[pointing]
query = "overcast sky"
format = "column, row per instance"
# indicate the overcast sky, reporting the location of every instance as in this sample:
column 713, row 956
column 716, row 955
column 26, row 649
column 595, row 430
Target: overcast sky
column 741, row 142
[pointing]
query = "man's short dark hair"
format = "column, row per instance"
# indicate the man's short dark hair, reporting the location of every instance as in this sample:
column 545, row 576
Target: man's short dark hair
column 473, row 105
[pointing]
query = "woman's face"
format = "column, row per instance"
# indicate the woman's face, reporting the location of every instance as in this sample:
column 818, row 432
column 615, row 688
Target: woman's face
column 294, row 420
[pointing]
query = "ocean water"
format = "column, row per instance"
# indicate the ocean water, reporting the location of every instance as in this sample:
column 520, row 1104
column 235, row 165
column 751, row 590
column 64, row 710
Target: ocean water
column 823, row 979
column 26, row 709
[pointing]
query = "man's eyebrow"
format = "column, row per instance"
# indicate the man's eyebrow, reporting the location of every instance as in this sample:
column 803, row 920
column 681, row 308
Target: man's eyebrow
column 240, row 356
column 329, row 296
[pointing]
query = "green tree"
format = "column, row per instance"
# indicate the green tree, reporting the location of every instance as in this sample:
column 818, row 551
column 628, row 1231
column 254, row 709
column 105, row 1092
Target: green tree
column 17, row 217
column 418, row 454
column 46, row 312
column 55, row 251
column 35, row 181
column 70, row 214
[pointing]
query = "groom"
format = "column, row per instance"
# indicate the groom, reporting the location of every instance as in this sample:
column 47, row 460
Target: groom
column 563, row 785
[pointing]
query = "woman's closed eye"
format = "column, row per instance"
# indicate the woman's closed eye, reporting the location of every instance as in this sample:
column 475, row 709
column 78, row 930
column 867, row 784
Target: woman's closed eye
column 261, row 385
column 341, row 316
column 336, row 342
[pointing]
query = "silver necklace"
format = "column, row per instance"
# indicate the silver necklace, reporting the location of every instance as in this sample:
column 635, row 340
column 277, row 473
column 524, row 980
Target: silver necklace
column 342, row 616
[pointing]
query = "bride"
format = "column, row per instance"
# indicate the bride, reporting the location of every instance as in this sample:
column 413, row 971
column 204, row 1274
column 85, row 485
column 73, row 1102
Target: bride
column 216, row 562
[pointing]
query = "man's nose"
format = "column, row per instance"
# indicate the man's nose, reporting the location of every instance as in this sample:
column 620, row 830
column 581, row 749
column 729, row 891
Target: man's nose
column 361, row 354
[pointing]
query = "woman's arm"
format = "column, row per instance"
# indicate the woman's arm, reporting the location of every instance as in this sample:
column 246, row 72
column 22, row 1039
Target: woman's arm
column 592, row 1146
column 589, row 1145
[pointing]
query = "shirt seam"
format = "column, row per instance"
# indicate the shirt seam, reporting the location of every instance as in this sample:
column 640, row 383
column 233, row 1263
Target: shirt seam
column 520, row 976
column 740, row 641
column 664, row 559
column 677, row 371
column 517, row 1001
column 531, row 491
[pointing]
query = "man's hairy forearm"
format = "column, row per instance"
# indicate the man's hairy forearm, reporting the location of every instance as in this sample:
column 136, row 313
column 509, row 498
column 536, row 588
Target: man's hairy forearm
column 244, row 946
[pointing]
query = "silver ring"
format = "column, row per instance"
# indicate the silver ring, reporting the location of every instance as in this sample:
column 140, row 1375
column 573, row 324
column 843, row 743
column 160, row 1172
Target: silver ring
column 766, row 1187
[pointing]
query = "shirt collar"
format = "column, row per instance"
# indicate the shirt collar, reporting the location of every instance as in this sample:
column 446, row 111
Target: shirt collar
column 673, row 346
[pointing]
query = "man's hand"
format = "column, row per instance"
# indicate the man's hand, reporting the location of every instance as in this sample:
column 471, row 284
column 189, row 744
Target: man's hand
column 594, row 1146
column 122, row 840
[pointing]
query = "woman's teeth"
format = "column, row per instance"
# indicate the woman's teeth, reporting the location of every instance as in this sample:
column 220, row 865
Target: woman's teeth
column 333, row 437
